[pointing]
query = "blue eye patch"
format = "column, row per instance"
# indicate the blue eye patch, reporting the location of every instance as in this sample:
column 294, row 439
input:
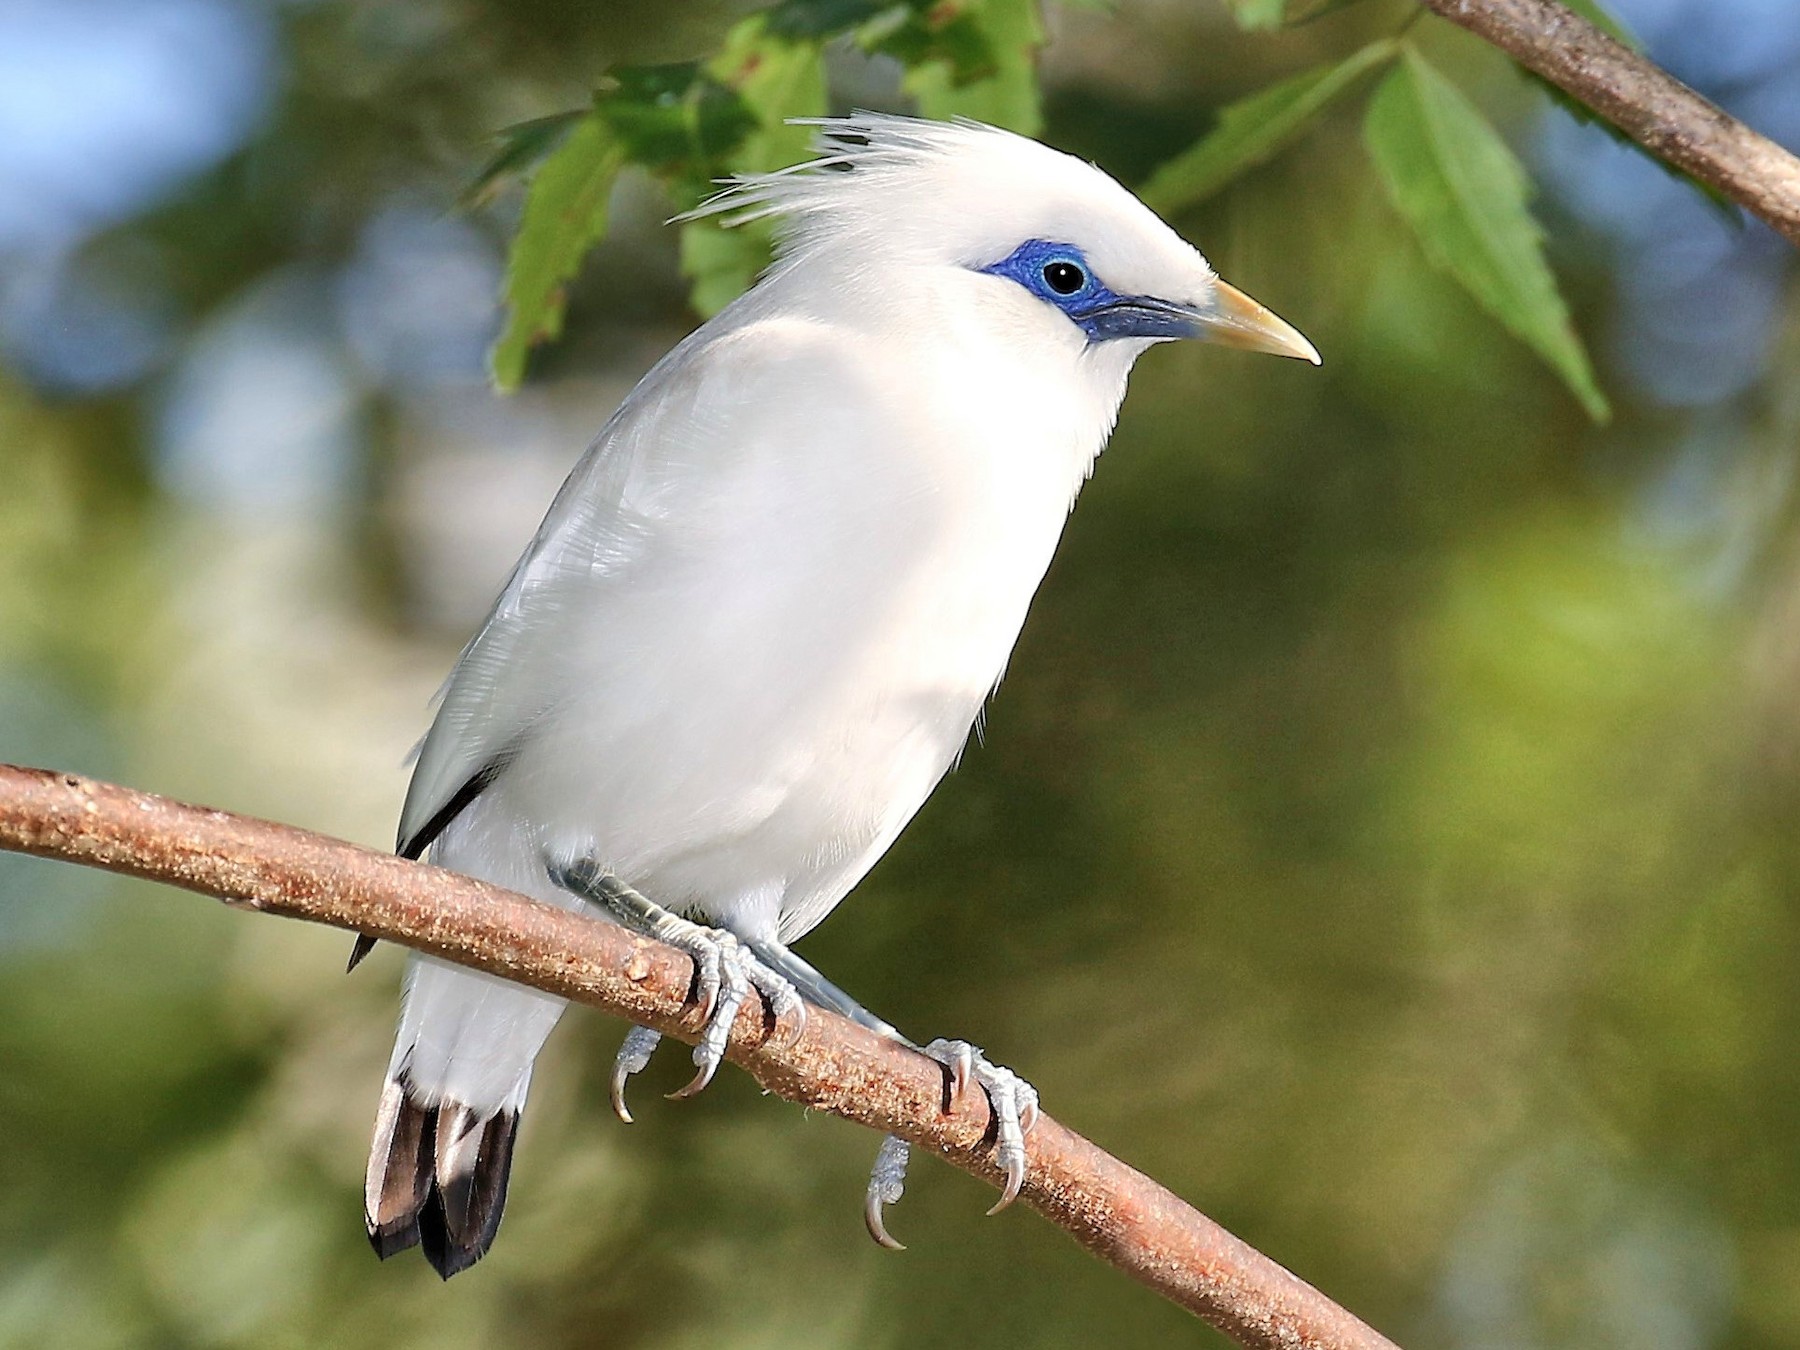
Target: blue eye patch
column 1059, row 275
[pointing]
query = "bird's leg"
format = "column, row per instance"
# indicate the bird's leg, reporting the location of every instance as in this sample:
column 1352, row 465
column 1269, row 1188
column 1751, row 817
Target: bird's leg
column 1014, row 1102
column 727, row 967
column 805, row 977
column 725, row 971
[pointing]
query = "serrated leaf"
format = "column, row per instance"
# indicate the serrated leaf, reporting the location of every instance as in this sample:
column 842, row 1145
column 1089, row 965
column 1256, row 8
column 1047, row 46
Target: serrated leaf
column 952, row 36
column 820, row 18
column 666, row 118
column 1454, row 181
column 522, row 147
column 720, row 263
column 776, row 79
column 1254, row 15
column 565, row 212
column 983, row 64
column 1254, row 128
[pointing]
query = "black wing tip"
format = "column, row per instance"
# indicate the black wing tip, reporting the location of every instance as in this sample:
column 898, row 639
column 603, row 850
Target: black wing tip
column 364, row 945
column 414, row 847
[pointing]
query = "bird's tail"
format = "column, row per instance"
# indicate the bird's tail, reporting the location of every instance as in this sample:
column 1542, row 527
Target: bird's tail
column 449, row 1112
column 437, row 1178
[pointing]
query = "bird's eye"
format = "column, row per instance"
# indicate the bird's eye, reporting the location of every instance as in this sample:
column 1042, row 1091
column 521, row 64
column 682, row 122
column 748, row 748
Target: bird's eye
column 1064, row 277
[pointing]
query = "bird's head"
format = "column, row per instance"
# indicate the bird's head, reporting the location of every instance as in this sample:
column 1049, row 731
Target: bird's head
column 1045, row 243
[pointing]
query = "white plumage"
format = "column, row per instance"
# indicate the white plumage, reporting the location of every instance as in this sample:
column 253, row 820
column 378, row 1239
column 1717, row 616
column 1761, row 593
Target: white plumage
column 765, row 609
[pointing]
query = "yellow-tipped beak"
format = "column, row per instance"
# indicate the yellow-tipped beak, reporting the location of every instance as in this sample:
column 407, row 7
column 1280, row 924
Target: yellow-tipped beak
column 1233, row 319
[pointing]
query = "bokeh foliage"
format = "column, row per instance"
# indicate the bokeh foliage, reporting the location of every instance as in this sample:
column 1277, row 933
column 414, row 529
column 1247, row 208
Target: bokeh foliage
column 1445, row 168
column 1384, row 835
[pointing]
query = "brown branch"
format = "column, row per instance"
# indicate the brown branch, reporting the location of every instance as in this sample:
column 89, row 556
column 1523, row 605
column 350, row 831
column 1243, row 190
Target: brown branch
column 1643, row 100
column 1120, row 1215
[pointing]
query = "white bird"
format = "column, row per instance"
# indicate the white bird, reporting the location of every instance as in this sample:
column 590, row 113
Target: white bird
column 764, row 611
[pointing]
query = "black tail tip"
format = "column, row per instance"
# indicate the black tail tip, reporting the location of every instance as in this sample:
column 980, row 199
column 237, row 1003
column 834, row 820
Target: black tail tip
column 448, row 1254
column 437, row 1179
column 461, row 1215
column 392, row 1239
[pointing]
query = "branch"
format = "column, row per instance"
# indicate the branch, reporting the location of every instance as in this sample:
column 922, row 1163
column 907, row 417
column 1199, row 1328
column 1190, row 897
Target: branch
column 1120, row 1215
column 1643, row 100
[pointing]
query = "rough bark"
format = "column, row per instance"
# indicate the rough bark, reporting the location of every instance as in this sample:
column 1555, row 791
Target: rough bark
column 1117, row 1213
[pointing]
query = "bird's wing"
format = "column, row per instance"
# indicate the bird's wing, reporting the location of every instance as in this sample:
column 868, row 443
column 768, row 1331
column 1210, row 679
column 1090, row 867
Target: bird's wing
column 481, row 716
column 656, row 470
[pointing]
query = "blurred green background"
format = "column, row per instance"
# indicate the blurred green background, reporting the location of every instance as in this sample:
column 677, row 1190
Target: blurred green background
column 1384, row 837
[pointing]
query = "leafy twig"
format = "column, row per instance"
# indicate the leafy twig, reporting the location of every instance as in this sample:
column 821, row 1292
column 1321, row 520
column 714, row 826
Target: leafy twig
column 1643, row 100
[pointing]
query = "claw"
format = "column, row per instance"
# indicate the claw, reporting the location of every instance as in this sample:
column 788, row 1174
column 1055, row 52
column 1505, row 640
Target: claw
column 1013, row 1102
column 959, row 1058
column 706, row 982
column 796, row 1027
column 1009, row 1145
column 709, row 1052
column 725, row 971
column 887, row 1183
column 785, row 1005
column 695, row 1085
column 1015, row 1178
column 634, row 1055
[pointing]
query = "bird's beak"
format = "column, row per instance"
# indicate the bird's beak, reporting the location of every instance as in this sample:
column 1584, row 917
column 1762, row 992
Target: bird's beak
column 1233, row 319
column 1230, row 318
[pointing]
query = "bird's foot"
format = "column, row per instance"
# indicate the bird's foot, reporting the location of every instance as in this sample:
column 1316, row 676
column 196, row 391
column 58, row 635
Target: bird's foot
column 725, row 971
column 1013, row 1100
column 633, row 1057
column 1014, row 1104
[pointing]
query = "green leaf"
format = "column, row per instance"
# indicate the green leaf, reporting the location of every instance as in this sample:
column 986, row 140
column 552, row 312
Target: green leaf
column 1318, row 10
column 1254, row 128
column 1253, row 15
column 522, row 147
column 669, row 118
column 820, row 18
column 565, row 212
column 720, row 262
column 975, row 59
column 1455, row 182
column 916, row 36
column 776, row 79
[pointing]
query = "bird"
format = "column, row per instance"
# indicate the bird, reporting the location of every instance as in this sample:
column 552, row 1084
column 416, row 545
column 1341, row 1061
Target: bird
column 766, row 609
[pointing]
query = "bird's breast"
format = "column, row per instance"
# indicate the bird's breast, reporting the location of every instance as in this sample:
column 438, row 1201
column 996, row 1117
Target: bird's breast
column 782, row 679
